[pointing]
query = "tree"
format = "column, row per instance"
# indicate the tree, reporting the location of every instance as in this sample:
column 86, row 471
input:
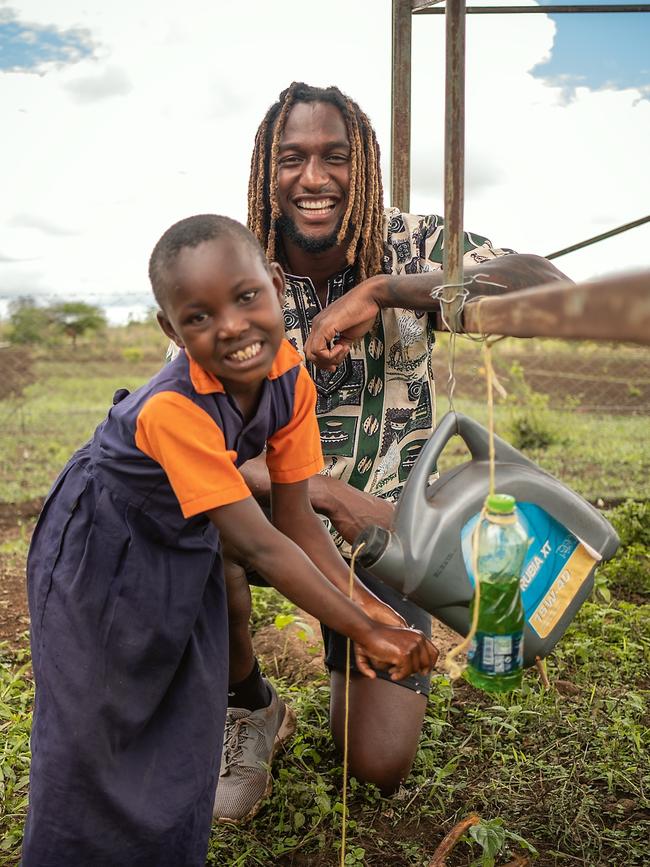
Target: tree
column 29, row 322
column 75, row 318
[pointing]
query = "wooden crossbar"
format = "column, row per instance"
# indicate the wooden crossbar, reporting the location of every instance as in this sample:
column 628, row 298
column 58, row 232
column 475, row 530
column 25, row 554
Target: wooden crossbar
column 616, row 307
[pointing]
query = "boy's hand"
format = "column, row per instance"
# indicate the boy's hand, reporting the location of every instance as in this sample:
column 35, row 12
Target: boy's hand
column 401, row 651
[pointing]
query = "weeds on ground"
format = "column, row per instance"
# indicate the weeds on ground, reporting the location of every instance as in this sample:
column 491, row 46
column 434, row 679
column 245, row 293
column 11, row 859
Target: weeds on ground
column 565, row 771
column 16, row 697
column 530, row 424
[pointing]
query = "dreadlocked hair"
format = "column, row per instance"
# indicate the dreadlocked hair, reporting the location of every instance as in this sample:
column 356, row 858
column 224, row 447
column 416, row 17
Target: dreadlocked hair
column 362, row 221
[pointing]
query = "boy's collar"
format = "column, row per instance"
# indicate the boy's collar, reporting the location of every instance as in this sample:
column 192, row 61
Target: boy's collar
column 205, row 382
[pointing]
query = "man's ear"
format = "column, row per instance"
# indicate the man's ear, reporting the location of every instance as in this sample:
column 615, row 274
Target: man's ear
column 168, row 329
column 277, row 277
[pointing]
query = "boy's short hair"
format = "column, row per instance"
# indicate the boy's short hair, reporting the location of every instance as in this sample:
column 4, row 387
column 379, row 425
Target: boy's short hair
column 191, row 232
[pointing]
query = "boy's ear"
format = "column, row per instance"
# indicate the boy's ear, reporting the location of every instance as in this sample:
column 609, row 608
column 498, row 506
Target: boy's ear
column 168, row 329
column 277, row 277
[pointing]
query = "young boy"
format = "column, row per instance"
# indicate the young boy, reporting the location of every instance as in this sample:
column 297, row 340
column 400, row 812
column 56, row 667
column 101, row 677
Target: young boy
column 125, row 571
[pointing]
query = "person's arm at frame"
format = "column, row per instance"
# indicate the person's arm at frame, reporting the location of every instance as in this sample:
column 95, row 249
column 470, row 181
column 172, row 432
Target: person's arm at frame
column 293, row 515
column 351, row 316
column 286, row 567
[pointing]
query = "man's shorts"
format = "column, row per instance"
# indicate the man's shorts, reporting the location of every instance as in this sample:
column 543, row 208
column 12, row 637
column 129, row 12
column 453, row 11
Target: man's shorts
column 335, row 643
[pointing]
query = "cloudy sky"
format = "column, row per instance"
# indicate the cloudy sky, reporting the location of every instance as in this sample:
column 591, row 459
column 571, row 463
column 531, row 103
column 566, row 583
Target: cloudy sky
column 121, row 118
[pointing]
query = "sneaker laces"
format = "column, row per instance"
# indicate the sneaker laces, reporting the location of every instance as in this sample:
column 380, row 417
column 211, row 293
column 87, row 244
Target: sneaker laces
column 237, row 731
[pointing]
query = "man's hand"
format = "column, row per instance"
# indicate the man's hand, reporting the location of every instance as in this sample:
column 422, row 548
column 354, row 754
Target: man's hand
column 344, row 321
column 349, row 509
column 401, row 651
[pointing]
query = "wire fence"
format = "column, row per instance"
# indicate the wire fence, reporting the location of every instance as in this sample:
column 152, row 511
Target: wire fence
column 583, row 377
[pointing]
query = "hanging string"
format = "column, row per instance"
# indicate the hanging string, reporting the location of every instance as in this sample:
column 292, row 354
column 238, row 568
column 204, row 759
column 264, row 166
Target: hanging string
column 451, row 664
column 463, row 294
column 346, row 714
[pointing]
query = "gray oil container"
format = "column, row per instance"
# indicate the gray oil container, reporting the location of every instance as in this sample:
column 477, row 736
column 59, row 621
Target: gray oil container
column 427, row 555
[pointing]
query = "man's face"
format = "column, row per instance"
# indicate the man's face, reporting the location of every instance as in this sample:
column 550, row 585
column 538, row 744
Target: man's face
column 225, row 308
column 313, row 175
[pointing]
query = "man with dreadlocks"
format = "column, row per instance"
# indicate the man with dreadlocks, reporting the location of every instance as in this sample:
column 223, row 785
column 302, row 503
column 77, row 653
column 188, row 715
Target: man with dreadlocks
column 358, row 303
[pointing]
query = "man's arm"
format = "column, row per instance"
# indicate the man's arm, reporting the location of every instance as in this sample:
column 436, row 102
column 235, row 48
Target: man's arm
column 351, row 316
column 349, row 509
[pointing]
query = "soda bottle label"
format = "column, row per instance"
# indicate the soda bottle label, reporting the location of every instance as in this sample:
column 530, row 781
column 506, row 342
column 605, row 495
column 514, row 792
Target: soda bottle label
column 496, row 654
column 552, row 548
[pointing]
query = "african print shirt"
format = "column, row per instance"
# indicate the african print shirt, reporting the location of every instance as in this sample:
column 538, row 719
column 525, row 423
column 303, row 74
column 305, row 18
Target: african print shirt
column 376, row 411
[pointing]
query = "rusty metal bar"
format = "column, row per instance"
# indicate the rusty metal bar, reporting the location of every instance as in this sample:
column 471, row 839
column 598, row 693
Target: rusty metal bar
column 452, row 252
column 422, row 4
column 421, row 9
column 597, row 238
column 400, row 135
column 616, row 307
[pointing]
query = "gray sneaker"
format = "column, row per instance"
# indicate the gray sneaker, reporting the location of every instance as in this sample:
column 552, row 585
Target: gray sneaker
column 251, row 739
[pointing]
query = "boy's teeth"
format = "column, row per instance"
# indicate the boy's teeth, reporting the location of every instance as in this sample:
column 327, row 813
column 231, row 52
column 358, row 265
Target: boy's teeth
column 248, row 352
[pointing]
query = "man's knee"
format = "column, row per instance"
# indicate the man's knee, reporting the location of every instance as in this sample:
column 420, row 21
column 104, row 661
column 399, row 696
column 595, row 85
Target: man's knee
column 385, row 722
column 385, row 769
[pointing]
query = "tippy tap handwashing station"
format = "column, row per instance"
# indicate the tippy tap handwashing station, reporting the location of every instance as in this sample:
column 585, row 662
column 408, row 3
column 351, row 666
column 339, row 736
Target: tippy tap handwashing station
column 427, row 555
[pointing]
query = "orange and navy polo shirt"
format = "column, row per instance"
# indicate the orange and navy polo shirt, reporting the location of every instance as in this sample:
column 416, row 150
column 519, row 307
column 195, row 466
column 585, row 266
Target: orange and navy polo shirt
column 173, row 447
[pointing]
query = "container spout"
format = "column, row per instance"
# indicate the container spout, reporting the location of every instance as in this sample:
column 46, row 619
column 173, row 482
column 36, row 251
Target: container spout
column 382, row 553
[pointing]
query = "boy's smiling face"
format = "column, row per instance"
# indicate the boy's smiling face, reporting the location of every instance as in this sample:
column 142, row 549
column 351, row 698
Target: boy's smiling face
column 225, row 308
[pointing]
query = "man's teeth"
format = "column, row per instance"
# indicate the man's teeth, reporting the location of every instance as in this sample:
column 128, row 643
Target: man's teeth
column 245, row 354
column 320, row 205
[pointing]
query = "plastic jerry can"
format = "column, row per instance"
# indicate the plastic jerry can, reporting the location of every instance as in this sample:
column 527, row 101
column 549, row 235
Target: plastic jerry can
column 427, row 554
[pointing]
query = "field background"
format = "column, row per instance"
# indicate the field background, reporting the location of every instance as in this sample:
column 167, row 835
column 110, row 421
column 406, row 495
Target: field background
column 563, row 771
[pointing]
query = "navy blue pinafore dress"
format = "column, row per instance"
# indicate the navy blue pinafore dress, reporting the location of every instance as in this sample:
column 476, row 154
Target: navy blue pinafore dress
column 130, row 645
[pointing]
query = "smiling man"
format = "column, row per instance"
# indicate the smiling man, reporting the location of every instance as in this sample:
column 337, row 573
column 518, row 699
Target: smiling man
column 358, row 304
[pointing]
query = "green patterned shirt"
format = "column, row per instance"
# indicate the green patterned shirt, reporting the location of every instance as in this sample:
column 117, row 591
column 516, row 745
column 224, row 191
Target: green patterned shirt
column 376, row 411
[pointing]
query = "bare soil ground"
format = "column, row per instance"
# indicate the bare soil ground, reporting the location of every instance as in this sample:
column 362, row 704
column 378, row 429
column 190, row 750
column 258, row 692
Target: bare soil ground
column 284, row 653
column 590, row 382
column 15, row 523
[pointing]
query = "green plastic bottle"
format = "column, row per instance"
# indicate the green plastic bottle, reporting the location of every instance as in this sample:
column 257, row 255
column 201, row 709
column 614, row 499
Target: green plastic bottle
column 495, row 657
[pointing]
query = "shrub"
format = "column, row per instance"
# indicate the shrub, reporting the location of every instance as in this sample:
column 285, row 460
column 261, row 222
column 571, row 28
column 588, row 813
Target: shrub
column 530, row 424
column 133, row 354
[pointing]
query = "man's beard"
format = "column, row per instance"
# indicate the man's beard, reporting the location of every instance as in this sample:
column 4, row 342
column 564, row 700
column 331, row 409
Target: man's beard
column 310, row 245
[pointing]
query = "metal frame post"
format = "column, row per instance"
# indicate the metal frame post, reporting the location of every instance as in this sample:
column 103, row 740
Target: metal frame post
column 400, row 139
column 453, row 248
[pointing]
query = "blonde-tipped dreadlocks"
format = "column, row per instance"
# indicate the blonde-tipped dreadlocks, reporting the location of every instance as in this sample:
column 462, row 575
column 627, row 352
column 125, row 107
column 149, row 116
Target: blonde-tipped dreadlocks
column 362, row 222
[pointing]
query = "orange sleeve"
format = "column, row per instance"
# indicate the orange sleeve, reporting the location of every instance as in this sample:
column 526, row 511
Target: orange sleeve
column 191, row 449
column 294, row 452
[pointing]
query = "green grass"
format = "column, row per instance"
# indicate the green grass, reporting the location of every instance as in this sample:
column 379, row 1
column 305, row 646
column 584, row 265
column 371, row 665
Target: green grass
column 567, row 770
column 600, row 457
column 606, row 457
column 56, row 415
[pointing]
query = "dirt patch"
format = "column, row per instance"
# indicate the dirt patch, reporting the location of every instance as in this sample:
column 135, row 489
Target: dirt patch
column 590, row 381
column 296, row 653
column 13, row 514
column 14, row 615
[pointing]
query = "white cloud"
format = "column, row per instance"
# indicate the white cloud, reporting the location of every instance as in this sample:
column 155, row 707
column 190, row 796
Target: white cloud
column 34, row 221
column 110, row 81
column 190, row 83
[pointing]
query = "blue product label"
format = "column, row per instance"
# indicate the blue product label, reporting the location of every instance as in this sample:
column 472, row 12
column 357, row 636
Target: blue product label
column 550, row 546
column 496, row 654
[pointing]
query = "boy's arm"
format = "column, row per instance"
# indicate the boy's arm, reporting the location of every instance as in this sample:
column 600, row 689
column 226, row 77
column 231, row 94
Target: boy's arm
column 286, row 567
column 293, row 515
